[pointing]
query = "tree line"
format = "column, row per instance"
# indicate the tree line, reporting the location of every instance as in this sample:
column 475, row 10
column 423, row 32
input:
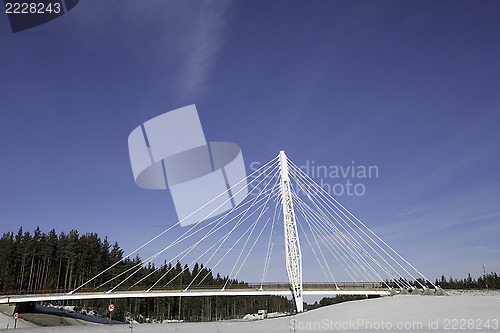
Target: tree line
column 488, row 280
column 48, row 262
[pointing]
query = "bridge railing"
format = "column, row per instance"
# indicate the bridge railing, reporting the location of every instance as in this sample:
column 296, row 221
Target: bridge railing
column 320, row 285
column 33, row 292
column 239, row 286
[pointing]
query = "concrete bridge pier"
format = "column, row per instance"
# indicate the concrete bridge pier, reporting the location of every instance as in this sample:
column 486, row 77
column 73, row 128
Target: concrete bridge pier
column 24, row 307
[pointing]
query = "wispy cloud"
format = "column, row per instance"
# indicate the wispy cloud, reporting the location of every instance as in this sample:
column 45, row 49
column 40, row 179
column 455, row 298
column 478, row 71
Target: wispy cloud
column 184, row 39
column 469, row 249
column 409, row 211
column 202, row 46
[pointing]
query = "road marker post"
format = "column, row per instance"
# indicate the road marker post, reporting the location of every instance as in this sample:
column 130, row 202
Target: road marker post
column 15, row 316
column 111, row 308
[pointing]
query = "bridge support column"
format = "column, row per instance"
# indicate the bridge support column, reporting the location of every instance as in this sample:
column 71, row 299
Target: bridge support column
column 292, row 245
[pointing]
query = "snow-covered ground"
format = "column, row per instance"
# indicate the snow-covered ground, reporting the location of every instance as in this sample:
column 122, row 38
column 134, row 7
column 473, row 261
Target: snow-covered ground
column 404, row 312
column 7, row 322
column 474, row 292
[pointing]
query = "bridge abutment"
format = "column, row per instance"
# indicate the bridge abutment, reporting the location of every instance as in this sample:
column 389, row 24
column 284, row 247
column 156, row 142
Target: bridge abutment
column 10, row 309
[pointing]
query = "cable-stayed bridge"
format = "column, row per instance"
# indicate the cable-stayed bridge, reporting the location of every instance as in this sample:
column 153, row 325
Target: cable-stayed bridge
column 282, row 206
column 282, row 289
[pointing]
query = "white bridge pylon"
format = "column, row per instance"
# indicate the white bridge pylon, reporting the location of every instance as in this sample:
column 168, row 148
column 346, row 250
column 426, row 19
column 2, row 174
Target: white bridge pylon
column 339, row 247
column 293, row 256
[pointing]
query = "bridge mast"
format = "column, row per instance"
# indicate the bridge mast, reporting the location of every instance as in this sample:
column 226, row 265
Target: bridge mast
column 292, row 245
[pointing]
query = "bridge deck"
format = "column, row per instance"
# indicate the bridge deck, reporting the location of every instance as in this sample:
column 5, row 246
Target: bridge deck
column 10, row 299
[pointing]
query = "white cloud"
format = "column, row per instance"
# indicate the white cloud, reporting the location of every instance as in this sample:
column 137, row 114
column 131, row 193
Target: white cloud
column 202, row 46
column 177, row 42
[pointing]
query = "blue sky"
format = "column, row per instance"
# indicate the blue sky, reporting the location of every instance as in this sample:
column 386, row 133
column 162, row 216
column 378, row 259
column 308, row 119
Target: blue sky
column 408, row 86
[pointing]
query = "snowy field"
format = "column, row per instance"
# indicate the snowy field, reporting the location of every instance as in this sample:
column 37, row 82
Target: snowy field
column 474, row 292
column 8, row 322
column 463, row 313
